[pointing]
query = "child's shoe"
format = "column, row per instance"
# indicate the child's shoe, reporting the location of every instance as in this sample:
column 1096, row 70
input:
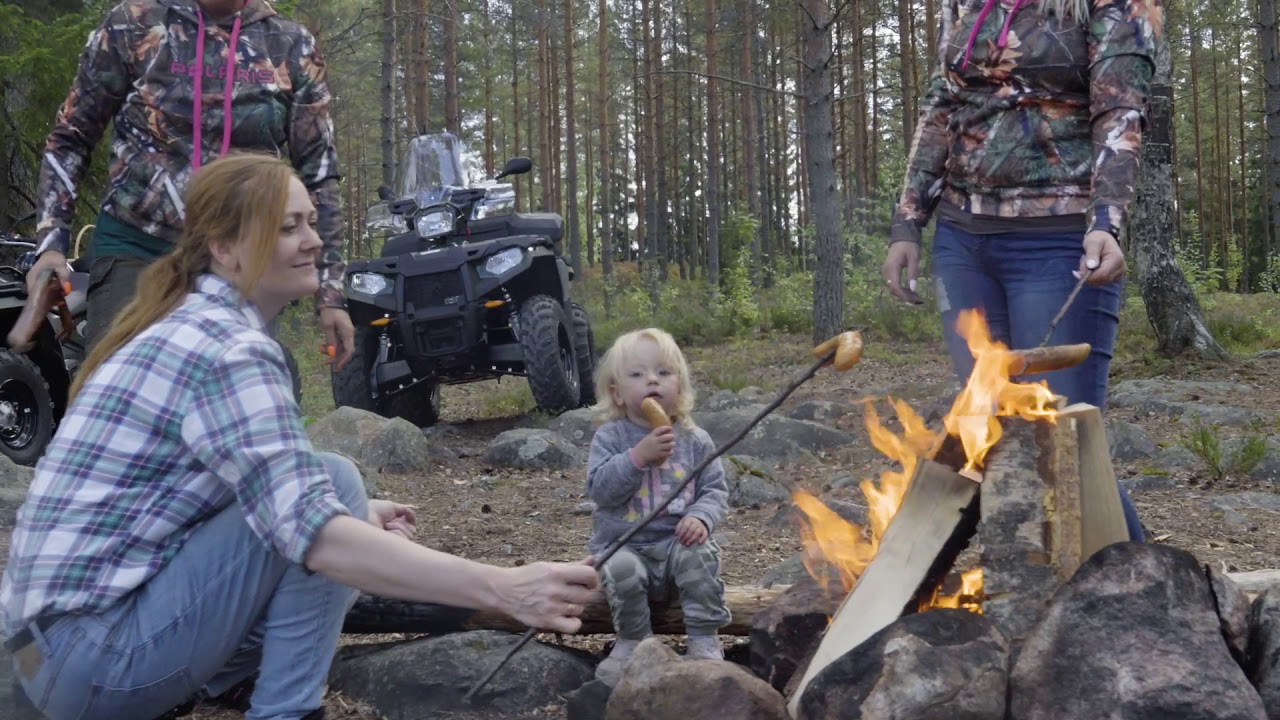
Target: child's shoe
column 609, row 671
column 704, row 647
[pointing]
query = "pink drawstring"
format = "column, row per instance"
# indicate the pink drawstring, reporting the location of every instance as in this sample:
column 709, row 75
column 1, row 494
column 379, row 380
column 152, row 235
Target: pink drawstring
column 982, row 18
column 197, row 154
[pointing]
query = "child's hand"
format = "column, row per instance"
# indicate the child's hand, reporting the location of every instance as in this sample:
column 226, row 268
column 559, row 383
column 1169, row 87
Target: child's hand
column 691, row 531
column 656, row 447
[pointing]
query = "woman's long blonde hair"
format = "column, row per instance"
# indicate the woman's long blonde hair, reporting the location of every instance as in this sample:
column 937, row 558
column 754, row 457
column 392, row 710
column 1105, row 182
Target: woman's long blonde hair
column 611, row 365
column 240, row 198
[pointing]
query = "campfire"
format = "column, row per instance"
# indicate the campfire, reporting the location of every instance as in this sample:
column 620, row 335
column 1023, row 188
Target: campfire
column 1006, row 465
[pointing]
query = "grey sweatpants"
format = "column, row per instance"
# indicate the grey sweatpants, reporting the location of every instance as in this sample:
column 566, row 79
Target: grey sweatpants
column 640, row 573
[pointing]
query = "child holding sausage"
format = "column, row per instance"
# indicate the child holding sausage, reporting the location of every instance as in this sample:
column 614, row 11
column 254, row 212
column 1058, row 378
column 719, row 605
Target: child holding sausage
column 635, row 462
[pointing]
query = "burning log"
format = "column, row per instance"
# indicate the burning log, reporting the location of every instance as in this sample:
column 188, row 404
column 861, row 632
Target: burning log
column 938, row 503
column 373, row 615
column 1047, row 359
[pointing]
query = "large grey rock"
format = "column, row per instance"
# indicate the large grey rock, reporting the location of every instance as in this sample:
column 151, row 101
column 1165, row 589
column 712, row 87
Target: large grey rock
column 533, row 449
column 1264, row 649
column 14, row 705
column 822, row 410
column 751, row 483
column 378, row 444
column 1175, row 459
column 658, row 685
column 1214, row 403
column 14, row 481
column 1233, row 609
column 1247, row 499
column 1129, row 442
column 783, row 635
column 724, row 400
column 776, row 439
column 1268, row 469
column 577, row 426
column 420, row 678
column 1135, row 634
column 939, row 665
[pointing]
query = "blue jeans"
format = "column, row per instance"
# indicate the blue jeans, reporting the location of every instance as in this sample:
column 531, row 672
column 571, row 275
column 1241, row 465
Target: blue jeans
column 1020, row 281
column 224, row 607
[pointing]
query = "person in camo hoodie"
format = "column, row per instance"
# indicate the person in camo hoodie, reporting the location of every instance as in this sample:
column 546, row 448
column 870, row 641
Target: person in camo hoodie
column 186, row 81
column 1026, row 151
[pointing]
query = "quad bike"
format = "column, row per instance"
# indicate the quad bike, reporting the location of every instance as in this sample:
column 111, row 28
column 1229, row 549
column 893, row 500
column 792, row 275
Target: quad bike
column 35, row 375
column 467, row 290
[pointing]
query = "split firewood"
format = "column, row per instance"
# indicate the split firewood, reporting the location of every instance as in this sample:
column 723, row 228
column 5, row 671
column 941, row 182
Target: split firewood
column 1046, row 359
column 847, row 347
column 654, row 413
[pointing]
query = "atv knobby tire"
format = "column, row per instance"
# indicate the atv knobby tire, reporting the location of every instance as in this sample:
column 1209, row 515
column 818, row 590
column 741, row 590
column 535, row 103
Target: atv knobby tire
column 584, row 347
column 351, row 381
column 26, row 393
column 419, row 405
column 550, row 359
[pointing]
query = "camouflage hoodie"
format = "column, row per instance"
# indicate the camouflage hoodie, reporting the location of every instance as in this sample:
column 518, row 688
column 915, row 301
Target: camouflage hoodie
column 141, row 69
column 1031, row 115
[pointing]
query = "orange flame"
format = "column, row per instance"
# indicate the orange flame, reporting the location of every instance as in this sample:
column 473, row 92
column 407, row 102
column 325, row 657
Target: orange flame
column 832, row 542
column 970, row 596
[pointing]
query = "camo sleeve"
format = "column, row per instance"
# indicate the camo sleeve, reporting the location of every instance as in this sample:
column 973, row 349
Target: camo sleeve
column 99, row 89
column 927, row 160
column 315, row 157
column 1122, row 51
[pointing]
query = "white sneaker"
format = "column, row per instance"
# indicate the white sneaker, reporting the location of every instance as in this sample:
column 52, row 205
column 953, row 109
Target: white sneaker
column 609, row 671
column 704, row 647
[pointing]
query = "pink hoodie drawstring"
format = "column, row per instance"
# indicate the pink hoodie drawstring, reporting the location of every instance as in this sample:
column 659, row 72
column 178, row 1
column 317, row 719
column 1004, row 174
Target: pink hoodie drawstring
column 197, row 140
column 1003, row 40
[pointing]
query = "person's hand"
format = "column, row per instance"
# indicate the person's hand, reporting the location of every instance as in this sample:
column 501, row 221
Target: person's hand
column 1103, row 255
column 48, row 259
column 657, row 446
column 339, row 334
column 393, row 517
column 691, row 531
column 548, row 596
column 903, row 255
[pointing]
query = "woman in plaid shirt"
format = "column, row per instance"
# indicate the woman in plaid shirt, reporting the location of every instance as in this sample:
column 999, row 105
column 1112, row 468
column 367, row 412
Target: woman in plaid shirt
column 181, row 534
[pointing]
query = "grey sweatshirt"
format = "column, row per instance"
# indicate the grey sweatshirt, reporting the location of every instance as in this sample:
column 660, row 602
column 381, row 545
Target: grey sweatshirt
column 625, row 493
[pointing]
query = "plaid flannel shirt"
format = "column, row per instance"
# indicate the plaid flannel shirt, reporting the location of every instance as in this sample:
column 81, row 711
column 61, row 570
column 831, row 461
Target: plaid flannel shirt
column 193, row 415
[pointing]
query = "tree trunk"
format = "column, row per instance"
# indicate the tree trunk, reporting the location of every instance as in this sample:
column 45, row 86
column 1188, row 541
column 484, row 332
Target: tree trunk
column 545, row 161
column 422, row 73
column 388, row 91
column 905, row 62
column 489, row 162
column 606, row 153
column 1268, row 47
column 1205, row 239
column 1172, row 306
column 662, row 233
column 1243, row 203
column 571, row 143
column 452, row 118
column 1222, row 197
column 819, row 137
column 712, row 17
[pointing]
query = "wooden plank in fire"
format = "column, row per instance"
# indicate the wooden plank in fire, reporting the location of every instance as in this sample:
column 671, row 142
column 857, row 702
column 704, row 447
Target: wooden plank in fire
column 1101, row 514
column 934, row 505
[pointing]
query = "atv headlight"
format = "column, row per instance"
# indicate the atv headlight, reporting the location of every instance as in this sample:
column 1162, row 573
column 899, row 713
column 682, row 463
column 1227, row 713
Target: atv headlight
column 502, row 262
column 370, row 283
column 435, row 224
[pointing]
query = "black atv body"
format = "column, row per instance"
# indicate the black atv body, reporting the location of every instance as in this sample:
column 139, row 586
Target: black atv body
column 488, row 298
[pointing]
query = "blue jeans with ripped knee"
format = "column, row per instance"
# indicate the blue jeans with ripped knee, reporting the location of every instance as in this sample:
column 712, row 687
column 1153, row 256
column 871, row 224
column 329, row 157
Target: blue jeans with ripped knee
column 1020, row 281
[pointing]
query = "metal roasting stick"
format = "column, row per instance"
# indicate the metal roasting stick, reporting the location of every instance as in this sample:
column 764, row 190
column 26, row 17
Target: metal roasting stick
column 1053, row 324
column 617, row 545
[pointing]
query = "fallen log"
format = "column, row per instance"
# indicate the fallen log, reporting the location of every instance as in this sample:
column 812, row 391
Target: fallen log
column 375, row 615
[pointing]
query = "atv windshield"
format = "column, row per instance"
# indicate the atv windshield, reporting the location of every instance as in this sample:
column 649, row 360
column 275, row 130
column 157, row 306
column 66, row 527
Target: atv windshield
column 431, row 169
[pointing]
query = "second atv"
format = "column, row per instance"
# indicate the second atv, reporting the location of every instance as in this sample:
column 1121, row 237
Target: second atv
column 469, row 290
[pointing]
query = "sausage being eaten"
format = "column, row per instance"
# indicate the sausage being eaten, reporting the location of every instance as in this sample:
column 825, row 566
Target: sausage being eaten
column 654, row 413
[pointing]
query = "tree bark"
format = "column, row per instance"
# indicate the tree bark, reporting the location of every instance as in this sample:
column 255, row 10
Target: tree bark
column 819, row 135
column 452, row 118
column 712, row 17
column 489, row 161
column 1172, row 307
column 422, row 71
column 388, row 91
column 606, row 153
column 1267, row 44
column 380, row 615
column 1205, row 238
column 571, row 143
